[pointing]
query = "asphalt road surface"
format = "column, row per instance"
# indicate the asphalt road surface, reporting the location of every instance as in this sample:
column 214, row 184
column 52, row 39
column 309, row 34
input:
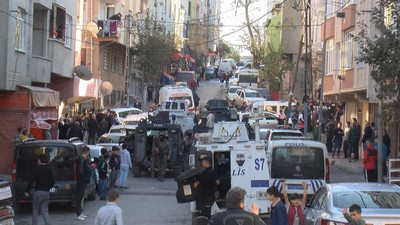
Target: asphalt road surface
column 147, row 201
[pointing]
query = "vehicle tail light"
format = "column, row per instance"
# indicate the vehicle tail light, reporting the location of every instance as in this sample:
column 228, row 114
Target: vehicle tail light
column 191, row 110
column 327, row 170
column 74, row 175
column 14, row 171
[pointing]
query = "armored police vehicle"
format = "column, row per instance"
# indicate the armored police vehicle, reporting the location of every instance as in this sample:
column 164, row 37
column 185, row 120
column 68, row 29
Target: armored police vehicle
column 236, row 160
column 146, row 131
column 298, row 159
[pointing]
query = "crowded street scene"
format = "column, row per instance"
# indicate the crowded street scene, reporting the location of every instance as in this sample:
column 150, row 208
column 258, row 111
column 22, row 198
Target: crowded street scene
column 197, row 112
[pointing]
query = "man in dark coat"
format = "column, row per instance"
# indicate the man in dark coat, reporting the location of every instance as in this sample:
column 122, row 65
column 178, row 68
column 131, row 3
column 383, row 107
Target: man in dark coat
column 329, row 136
column 75, row 131
column 368, row 135
column 354, row 139
column 93, row 126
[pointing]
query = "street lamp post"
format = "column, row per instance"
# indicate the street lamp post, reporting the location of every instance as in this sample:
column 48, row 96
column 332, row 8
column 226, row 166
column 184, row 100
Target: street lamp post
column 321, row 91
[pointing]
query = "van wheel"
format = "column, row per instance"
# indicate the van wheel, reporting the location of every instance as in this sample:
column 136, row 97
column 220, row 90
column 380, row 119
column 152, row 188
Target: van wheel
column 194, row 216
column 92, row 196
column 137, row 171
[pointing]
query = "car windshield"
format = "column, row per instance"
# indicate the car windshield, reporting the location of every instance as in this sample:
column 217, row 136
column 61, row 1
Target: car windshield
column 275, row 135
column 233, row 90
column 367, row 199
column 297, row 163
column 218, row 104
column 248, row 78
column 60, row 161
column 110, row 139
column 124, row 114
column 251, row 94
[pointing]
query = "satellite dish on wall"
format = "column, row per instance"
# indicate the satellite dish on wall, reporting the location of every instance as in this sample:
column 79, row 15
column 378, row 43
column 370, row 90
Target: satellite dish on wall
column 106, row 88
column 83, row 72
column 93, row 29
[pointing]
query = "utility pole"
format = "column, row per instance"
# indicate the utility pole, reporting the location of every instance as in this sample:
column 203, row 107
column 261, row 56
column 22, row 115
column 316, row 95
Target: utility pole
column 306, row 68
column 127, row 58
column 380, row 155
column 322, row 73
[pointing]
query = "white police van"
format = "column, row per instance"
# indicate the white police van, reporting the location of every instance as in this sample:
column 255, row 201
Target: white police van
column 236, row 162
column 297, row 159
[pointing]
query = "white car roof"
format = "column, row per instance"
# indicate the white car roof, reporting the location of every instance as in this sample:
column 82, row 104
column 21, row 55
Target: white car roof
column 136, row 117
column 117, row 110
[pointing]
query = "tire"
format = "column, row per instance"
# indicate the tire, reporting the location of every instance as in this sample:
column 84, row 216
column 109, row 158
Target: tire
column 92, row 196
column 137, row 170
column 195, row 215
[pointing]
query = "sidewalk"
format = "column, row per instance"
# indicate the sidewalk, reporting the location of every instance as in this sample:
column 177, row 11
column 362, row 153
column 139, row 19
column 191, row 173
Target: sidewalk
column 353, row 167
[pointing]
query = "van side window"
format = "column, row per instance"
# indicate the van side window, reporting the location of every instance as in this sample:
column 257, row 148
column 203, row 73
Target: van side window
column 167, row 105
column 183, row 106
column 174, row 105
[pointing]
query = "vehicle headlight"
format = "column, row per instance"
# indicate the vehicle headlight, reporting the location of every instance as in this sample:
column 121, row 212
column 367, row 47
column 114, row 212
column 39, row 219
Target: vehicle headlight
column 192, row 160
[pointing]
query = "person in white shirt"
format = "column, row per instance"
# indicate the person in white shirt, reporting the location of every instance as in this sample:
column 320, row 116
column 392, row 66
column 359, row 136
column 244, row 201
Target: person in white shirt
column 126, row 165
column 111, row 213
column 346, row 139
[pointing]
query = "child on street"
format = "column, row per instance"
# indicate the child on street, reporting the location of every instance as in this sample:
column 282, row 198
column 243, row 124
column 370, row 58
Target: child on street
column 354, row 218
column 278, row 211
column 295, row 205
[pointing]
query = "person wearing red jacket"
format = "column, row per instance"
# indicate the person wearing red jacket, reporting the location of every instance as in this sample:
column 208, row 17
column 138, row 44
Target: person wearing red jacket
column 370, row 160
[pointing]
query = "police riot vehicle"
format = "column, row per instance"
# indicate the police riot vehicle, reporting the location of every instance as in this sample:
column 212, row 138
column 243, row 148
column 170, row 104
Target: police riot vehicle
column 236, row 160
column 298, row 159
column 141, row 143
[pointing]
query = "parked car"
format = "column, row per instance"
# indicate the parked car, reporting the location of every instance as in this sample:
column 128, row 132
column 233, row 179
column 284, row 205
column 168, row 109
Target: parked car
column 220, row 108
column 124, row 112
column 380, row 203
column 111, row 139
column 246, row 95
column 209, row 73
column 62, row 155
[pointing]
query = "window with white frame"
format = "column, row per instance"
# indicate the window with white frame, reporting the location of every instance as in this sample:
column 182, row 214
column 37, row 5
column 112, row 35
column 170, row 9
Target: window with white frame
column 330, row 49
column 68, row 31
column 20, row 29
column 110, row 10
column 348, row 49
column 85, row 10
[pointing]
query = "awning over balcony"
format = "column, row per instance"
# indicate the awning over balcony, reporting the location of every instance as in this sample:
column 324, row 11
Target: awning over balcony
column 42, row 97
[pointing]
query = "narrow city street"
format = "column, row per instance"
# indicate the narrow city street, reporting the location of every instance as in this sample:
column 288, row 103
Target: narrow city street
column 148, row 202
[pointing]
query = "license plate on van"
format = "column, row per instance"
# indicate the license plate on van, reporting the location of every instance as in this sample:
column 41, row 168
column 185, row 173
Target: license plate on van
column 53, row 190
column 294, row 186
column 5, row 193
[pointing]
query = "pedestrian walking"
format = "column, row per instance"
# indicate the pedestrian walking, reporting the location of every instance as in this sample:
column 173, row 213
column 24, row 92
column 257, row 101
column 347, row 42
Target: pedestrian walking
column 160, row 156
column 93, row 127
column 103, row 172
column 346, row 139
column 111, row 213
column 337, row 140
column 368, row 135
column 278, row 209
column 386, row 141
column 370, row 160
column 281, row 118
column 137, row 104
column 354, row 218
column 114, row 163
column 354, row 139
column 295, row 205
column 295, row 120
column 125, row 166
column 83, row 173
column 150, row 90
column 206, row 183
column 235, row 210
column 44, row 180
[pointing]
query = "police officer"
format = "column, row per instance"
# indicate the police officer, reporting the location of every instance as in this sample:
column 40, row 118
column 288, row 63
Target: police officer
column 160, row 156
column 206, row 183
column 187, row 146
column 235, row 210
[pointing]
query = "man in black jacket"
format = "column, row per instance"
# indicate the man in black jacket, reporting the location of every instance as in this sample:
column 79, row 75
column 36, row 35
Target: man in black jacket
column 83, row 175
column 44, row 180
column 93, row 127
column 235, row 210
column 75, row 131
column 368, row 135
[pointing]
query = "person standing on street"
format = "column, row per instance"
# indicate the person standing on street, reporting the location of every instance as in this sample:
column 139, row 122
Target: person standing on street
column 354, row 139
column 329, row 135
column 111, row 213
column 368, row 135
column 137, row 104
column 83, row 178
column 278, row 209
column 337, row 140
column 103, row 126
column 103, row 170
column 160, row 156
column 346, row 139
column 235, row 210
column 75, row 131
column 207, row 183
column 114, row 162
column 125, row 166
column 44, row 180
column 93, row 127
column 150, row 89
column 370, row 161
column 187, row 146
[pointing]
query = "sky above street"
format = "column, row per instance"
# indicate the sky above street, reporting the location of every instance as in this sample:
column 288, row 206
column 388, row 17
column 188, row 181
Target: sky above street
column 232, row 21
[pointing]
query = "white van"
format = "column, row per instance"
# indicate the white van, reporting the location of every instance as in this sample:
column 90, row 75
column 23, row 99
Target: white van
column 248, row 78
column 177, row 93
column 224, row 68
column 296, row 160
column 231, row 61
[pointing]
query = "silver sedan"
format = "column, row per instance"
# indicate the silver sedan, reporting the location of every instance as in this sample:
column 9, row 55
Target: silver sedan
column 380, row 203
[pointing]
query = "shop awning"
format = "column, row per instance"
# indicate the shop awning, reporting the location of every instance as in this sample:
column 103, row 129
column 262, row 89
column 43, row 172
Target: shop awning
column 42, row 97
column 40, row 124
